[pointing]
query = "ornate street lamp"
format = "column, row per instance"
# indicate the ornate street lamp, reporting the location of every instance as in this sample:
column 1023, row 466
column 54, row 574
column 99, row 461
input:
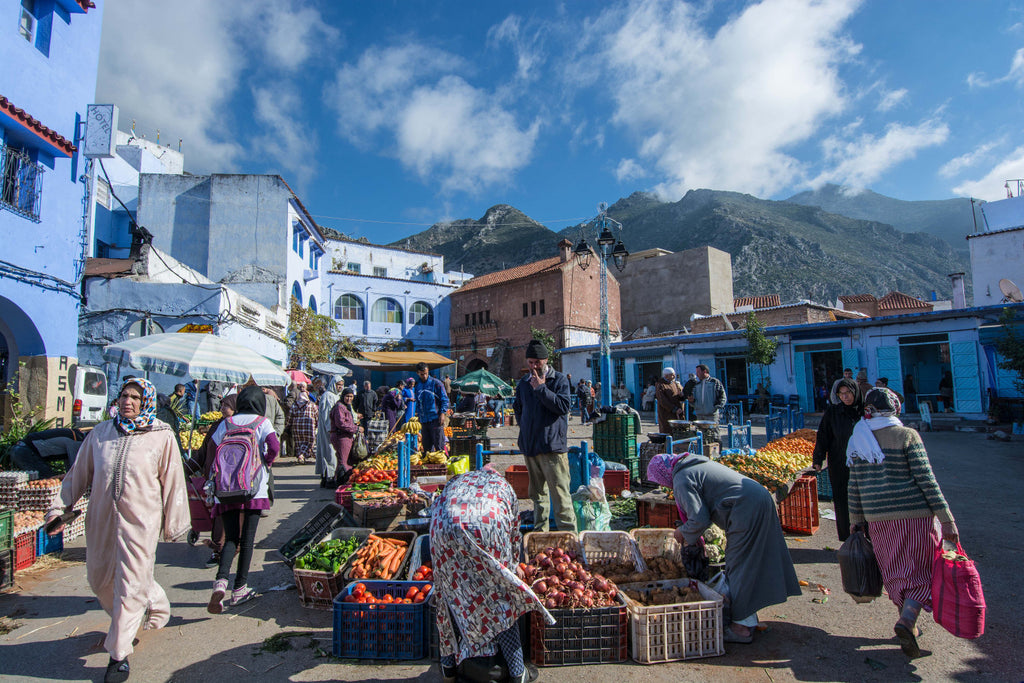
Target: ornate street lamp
column 608, row 247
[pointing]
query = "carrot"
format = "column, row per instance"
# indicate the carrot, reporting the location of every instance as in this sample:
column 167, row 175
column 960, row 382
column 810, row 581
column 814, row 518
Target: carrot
column 395, row 563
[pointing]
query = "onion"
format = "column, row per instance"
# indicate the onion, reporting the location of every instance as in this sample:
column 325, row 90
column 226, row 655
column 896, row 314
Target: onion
column 587, row 602
column 569, row 575
column 612, row 592
column 539, row 557
column 557, row 553
column 577, row 593
column 601, row 584
column 584, row 575
column 550, row 603
column 541, row 587
column 561, row 568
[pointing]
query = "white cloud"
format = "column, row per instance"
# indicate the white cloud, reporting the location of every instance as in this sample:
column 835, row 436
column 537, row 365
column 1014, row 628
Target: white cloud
column 1015, row 74
column 410, row 99
column 965, row 161
column 721, row 110
column 177, row 66
column 991, row 186
column 858, row 162
column 629, row 169
column 525, row 45
column 292, row 145
column 892, row 98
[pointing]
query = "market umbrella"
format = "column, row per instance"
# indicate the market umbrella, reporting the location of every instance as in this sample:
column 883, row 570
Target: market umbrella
column 481, row 381
column 330, row 369
column 201, row 356
column 298, row 376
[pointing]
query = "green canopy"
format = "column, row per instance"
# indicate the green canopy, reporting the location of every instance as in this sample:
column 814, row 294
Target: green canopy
column 481, row 381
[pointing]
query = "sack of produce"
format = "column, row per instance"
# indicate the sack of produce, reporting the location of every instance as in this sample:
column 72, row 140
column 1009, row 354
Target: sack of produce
column 862, row 578
column 958, row 603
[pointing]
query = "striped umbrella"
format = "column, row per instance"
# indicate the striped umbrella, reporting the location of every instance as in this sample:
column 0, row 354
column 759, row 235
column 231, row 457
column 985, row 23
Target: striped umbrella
column 201, row 356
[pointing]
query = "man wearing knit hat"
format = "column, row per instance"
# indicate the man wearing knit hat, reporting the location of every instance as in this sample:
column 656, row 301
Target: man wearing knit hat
column 542, row 411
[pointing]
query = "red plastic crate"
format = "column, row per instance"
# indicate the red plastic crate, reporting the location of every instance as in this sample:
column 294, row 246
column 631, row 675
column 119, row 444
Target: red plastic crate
column 343, row 496
column 519, row 477
column 24, row 550
column 798, row 512
column 615, row 482
column 660, row 514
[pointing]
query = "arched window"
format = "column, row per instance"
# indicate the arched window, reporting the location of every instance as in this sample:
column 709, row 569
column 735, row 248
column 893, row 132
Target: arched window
column 312, row 303
column 297, row 292
column 386, row 311
column 348, row 307
column 420, row 313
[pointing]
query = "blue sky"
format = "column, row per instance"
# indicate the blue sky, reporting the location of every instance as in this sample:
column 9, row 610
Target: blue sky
column 388, row 116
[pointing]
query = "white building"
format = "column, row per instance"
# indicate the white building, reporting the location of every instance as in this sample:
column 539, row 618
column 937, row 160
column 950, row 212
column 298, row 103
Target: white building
column 997, row 254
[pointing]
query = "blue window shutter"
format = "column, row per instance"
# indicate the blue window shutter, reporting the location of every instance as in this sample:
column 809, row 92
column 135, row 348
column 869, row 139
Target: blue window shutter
column 966, row 377
column 889, row 366
column 803, row 378
column 1005, row 380
column 851, row 359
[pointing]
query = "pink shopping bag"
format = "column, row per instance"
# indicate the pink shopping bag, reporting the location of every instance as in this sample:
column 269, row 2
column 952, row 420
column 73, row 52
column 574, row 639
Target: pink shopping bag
column 958, row 603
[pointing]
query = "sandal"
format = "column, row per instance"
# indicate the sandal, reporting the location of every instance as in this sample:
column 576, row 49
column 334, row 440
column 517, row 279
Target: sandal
column 731, row 637
column 908, row 641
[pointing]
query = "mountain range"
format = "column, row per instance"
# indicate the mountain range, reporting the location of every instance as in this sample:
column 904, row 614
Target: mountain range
column 796, row 248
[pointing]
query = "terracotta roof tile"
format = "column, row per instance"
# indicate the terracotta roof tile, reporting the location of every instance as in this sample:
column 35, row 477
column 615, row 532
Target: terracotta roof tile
column 857, row 298
column 510, row 274
column 766, row 301
column 48, row 134
column 899, row 301
column 108, row 267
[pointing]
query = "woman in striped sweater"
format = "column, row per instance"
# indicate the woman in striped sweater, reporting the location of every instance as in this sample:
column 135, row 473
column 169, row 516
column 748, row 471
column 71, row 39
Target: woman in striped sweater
column 893, row 490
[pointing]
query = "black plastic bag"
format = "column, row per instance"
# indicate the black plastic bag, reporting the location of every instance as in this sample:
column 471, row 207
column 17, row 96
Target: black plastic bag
column 862, row 578
column 695, row 561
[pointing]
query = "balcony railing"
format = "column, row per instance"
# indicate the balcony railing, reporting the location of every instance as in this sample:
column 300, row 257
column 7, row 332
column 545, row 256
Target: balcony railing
column 21, row 182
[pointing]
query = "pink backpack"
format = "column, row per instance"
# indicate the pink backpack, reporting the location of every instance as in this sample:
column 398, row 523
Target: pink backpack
column 237, row 463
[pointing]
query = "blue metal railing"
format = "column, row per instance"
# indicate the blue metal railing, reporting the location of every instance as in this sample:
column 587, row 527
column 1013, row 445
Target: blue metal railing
column 731, row 413
column 738, row 436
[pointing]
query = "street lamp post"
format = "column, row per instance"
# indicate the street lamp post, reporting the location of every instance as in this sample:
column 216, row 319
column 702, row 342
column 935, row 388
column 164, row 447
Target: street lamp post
column 608, row 247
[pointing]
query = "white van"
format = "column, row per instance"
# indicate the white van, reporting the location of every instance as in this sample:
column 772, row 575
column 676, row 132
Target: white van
column 89, row 395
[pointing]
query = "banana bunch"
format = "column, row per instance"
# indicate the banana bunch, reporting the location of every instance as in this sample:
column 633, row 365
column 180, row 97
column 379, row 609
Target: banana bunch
column 415, row 460
column 393, row 440
column 191, row 437
column 379, row 462
column 435, row 458
column 413, row 426
column 211, row 416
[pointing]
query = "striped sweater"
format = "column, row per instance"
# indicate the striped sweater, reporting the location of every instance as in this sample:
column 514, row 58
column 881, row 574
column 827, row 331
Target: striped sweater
column 900, row 487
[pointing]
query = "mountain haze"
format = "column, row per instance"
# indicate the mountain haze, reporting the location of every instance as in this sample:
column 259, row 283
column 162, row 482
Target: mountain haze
column 797, row 251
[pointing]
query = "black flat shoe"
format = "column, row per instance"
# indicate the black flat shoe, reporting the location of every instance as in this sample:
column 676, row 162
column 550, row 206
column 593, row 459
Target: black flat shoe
column 325, row 483
column 117, row 672
column 908, row 643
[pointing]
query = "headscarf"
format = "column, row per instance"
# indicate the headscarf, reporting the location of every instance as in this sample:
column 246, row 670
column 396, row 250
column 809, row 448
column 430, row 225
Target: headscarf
column 852, row 386
column 659, row 469
column 230, row 402
column 881, row 406
column 147, row 407
column 411, row 382
column 668, row 371
column 347, row 392
column 251, row 401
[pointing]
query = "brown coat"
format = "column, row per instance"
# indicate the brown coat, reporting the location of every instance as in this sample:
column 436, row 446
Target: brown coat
column 669, row 396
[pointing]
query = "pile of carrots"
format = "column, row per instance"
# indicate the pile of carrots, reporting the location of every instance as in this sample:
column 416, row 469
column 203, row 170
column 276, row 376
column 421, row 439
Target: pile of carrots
column 380, row 558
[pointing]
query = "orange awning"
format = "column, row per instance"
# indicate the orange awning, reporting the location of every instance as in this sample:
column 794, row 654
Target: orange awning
column 398, row 360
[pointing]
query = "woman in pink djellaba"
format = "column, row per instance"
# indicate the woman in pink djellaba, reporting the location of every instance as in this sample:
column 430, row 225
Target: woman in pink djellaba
column 138, row 494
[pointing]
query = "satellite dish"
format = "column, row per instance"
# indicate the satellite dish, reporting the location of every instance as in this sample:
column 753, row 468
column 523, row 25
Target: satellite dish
column 1011, row 292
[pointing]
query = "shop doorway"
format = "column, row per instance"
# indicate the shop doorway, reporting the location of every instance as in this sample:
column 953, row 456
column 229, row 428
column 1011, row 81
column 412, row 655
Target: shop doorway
column 732, row 372
column 923, row 364
column 817, row 367
column 647, row 371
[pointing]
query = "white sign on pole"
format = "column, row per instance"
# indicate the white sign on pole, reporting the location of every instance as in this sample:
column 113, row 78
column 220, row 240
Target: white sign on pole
column 100, row 131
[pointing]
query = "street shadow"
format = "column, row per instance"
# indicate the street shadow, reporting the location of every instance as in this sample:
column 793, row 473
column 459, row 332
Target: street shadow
column 812, row 556
column 46, row 606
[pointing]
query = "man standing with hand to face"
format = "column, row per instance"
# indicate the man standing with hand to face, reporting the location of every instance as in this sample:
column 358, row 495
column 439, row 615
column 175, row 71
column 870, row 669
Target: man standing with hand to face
column 542, row 411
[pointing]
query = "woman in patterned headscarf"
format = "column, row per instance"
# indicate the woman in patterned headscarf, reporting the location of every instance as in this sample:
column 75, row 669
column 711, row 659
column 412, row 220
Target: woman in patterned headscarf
column 892, row 490
column 138, row 495
column 302, row 423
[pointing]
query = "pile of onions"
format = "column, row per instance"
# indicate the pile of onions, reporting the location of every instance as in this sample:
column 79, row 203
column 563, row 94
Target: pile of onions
column 560, row 580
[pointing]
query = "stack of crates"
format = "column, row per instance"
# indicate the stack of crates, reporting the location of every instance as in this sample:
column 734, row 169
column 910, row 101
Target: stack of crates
column 615, row 440
column 6, row 548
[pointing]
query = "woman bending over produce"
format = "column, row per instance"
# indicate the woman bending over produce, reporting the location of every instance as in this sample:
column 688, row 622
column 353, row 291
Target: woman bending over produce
column 758, row 569
column 892, row 488
column 474, row 545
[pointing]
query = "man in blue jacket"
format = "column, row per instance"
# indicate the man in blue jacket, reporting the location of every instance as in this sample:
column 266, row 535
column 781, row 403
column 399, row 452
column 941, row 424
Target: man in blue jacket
column 431, row 408
column 542, row 411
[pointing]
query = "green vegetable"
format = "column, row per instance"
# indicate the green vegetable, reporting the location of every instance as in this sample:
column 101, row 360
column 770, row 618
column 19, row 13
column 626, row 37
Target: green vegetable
column 329, row 556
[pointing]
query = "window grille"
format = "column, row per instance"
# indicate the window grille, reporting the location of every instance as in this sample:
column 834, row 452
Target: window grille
column 21, row 182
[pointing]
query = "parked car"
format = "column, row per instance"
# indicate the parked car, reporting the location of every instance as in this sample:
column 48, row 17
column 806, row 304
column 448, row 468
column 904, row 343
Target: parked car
column 89, row 396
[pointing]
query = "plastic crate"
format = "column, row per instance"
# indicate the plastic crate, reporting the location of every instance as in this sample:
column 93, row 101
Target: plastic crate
column 428, row 470
column 824, row 486
column 519, row 477
column 24, row 550
column 323, row 523
column 318, row 589
column 6, row 529
column 619, row 449
column 798, row 512
column 46, row 544
column 656, row 510
column 6, row 569
column 380, row 631
column 616, row 425
column 617, row 481
column 378, row 518
column 670, row 633
column 653, row 543
column 581, row 636
column 434, row 635
column 466, row 445
column 535, row 541
column 343, row 496
column 409, row 537
column 611, row 545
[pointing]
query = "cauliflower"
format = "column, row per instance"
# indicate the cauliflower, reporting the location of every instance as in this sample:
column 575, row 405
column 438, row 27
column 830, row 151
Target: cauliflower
column 714, row 539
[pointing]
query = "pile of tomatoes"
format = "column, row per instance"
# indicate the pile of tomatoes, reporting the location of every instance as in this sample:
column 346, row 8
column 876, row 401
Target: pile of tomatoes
column 372, row 476
column 414, row 595
column 424, row 573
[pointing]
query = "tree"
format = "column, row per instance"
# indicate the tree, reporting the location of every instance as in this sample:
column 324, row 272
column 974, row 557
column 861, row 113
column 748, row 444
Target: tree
column 761, row 350
column 1011, row 349
column 312, row 338
column 554, row 357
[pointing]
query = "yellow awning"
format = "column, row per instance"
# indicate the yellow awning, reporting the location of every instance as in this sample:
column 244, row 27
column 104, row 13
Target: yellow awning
column 399, row 360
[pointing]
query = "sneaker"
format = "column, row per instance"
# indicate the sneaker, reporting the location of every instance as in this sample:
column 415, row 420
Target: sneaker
column 264, row 513
column 214, row 560
column 117, row 671
column 242, row 595
column 220, row 588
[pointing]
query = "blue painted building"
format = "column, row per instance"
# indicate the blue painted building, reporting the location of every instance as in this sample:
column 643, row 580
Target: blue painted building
column 49, row 51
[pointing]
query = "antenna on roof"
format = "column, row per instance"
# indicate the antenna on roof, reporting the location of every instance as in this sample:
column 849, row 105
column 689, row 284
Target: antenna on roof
column 1011, row 292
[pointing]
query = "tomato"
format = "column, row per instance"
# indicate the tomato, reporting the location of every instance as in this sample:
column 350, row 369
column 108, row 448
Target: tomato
column 388, row 598
column 420, row 597
column 418, row 576
column 360, row 589
column 351, row 598
column 426, row 589
column 411, row 593
column 406, row 601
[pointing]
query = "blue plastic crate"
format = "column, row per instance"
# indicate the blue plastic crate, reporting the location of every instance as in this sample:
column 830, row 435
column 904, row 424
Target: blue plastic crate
column 46, row 544
column 824, row 486
column 380, row 631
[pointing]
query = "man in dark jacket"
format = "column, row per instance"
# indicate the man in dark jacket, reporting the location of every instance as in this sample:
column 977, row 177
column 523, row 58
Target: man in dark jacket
column 542, row 410
column 366, row 405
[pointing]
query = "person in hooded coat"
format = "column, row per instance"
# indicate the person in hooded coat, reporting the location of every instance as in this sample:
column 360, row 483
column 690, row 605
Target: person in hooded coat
column 138, row 495
column 326, row 458
column 834, row 432
column 303, row 422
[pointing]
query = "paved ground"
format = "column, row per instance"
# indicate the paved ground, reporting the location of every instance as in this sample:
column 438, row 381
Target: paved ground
column 60, row 627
